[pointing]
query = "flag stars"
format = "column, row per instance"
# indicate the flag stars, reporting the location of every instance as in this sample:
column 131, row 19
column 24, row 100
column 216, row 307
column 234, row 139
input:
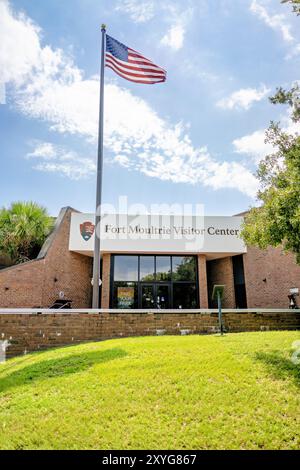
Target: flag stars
column 116, row 48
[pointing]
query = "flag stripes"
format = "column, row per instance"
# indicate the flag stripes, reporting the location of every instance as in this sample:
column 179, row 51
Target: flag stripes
column 131, row 65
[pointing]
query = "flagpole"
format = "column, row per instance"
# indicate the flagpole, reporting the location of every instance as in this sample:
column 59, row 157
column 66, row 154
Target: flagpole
column 96, row 265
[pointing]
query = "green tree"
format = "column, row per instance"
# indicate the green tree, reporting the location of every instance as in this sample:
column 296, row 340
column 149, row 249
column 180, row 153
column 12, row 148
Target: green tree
column 295, row 3
column 277, row 221
column 23, row 229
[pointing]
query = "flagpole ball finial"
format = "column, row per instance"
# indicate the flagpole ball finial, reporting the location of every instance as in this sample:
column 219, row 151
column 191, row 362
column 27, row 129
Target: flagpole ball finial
column 103, row 27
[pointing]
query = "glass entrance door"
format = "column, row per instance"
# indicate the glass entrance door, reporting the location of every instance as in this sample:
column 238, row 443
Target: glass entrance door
column 163, row 296
column 155, row 296
column 147, row 296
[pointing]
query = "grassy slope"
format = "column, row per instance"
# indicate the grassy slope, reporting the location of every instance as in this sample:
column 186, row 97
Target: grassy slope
column 202, row 392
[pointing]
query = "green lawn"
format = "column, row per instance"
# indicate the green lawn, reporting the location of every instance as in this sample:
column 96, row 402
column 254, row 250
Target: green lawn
column 240, row 391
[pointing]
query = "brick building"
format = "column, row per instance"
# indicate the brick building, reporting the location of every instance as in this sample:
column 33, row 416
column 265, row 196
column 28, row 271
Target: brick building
column 162, row 263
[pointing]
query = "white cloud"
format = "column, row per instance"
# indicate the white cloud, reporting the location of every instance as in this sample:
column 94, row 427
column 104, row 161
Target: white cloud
column 57, row 159
column 17, row 55
column 2, row 93
column 194, row 68
column 179, row 18
column 293, row 52
column 139, row 11
column 278, row 22
column 44, row 150
column 254, row 145
column 123, row 161
column 173, row 13
column 244, row 98
column 53, row 89
column 174, row 37
column 74, row 170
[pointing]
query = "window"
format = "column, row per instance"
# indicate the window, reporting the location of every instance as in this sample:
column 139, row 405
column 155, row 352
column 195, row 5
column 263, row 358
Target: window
column 163, row 268
column 184, row 268
column 126, row 268
column 125, row 295
column 147, row 269
column 185, row 295
column 239, row 281
column 154, row 281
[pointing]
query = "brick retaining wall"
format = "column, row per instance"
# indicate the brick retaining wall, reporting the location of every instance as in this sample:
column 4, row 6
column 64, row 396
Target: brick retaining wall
column 32, row 332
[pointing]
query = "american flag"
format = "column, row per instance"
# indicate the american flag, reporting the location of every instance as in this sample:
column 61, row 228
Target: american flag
column 130, row 64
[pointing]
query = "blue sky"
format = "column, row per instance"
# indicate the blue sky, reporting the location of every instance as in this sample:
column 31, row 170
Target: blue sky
column 195, row 139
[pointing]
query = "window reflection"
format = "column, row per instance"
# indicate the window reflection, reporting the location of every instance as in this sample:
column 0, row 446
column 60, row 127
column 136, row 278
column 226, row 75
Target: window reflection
column 163, row 268
column 126, row 268
column 184, row 268
column 146, row 268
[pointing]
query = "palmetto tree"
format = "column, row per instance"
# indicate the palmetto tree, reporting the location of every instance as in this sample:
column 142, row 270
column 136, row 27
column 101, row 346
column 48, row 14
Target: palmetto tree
column 23, row 229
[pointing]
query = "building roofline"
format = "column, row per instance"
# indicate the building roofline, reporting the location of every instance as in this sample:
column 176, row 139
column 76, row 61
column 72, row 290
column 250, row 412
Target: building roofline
column 49, row 240
column 19, row 265
column 241, row 214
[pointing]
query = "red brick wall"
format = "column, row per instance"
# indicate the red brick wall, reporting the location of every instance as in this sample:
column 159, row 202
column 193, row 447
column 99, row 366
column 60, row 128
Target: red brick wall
column 105, row 295
column 202, row 279
column 269, row 274
column 39, row 282
column 21, row 286
column 220, row 271
column 35, row 332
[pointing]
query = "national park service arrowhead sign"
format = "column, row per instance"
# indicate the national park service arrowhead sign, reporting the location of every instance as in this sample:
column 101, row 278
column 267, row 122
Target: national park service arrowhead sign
column 87, row 230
